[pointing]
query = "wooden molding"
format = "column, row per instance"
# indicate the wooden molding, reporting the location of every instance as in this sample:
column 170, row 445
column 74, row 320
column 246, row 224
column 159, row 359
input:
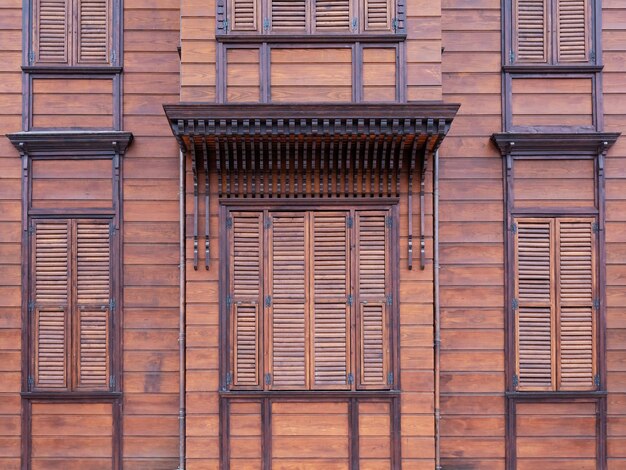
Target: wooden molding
column 561, row 143
column 56, row 142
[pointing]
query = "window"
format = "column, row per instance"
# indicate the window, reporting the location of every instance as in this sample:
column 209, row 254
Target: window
column 72, row 32
column 310, row 300
column 311, row 16
column 552, row 32
column 555, row 304
column 71, row 305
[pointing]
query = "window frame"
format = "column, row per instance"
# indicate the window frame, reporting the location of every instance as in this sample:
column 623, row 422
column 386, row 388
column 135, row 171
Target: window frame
column 226, row 366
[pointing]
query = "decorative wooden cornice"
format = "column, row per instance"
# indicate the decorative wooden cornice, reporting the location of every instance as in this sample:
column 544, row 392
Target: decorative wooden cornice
column 70, row 143
column 551, row 144
column 311, row 150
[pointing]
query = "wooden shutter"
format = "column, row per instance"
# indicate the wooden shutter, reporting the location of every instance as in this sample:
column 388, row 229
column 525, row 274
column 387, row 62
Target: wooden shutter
column 373, row 288
column 51, row 38
column 289, row 15
column 94, row 32
column 576, row 293
column 333, row 15
column 530, row 23
column 572, row 29
column 330, row 289
column 246, row 254
column 93, row 295
column 50, row 273
column 534, row 294
column 244, row 15
column 378, row 15
column 289, row 310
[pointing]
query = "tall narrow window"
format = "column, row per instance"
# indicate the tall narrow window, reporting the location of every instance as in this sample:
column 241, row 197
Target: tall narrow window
column 300, row 284
column 555, row 297
column 71, row 304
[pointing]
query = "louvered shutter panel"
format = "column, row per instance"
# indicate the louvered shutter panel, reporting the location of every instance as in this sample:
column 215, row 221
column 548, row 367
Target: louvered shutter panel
column 572, row 28
column 51, row 38
column 51, row 271
column 246, row 247
column 530, row 31
column 379, row 15
column 576, row 292
column 373, row 286
column 289, row 15
column 534, row 293
column 94, row 32
column 330, row 250
column 244, row 15
column 93, row 296
column 288, row 312
column 333, row 15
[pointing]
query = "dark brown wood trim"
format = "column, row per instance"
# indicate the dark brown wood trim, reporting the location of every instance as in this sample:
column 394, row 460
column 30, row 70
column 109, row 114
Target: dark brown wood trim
column 266, row 437
column 55, row 143
column 310, row 38
column 72, row 70
column 317, row 395
column 556, row 143
column 553, row 69
column 353, row 433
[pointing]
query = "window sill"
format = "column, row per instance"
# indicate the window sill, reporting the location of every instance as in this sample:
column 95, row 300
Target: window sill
column 71, row 70
column 78, row 395
column 556, row 394
column 558, row 69
column 309, row 38
column 334, row 394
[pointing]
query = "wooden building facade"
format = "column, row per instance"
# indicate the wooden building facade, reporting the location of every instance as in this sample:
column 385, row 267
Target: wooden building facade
column 312, row 234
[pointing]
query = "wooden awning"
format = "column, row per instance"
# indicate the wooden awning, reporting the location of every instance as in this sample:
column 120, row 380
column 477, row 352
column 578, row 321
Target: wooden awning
column 310, row 150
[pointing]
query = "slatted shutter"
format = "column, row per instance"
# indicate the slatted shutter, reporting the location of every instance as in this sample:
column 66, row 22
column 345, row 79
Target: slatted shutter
column 244, row 15
column 288, row 314
column 51, row 38
column 50, row 274
column 530, row 19
column 576, row 293
column 572, row 29
column 333, row 15
column 534, row 292
column 378, row 15
column 373, row 289
column 93, row 295
column 330, row 252
column 555, row 290
column 246, row 254
column 94, row 32
column 289, row 15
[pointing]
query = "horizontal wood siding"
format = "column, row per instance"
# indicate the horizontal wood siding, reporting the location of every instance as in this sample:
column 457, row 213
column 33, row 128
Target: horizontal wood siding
column 10, row 235
column 245, row 435
column 150, row 238
column 374, row 436
column 243, row 76
column 70, row 436
column 72, row 103
column 552, row 102
column 379, row 74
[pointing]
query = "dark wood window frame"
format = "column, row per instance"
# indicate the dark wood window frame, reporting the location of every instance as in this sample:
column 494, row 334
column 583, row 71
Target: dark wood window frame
column 265, row 49
column 70, row 146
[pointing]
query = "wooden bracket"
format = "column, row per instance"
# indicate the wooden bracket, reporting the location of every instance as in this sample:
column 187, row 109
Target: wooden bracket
column 207, row 202
column 194, row 169
column 423, row 166
column 410, row 201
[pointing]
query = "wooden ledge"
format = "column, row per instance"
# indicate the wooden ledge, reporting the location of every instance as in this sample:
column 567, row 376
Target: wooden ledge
column 548, row 144
column 83, row 142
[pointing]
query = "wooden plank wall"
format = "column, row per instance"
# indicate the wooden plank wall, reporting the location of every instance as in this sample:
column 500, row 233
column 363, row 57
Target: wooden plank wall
column 10, row 233
column 150, row 251
column 472, row 241
column 614, row 81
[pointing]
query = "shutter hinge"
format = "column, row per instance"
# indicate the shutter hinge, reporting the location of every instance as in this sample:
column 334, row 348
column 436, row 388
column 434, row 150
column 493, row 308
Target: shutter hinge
column 514, row 228
column 596, row 380
column 31, row 57
column 596, row 304
column 389, row 299
column 350, row 378
column 515, row 304
column 349, row 221
column 111, row 229
column 112, row 381
column 349, row 301
column 592, row 55
column 266, row 24
column 390, row 378
column 267, row 223
column 229, row 378
column 229, row 300
column 595, row 227
column 31, row 382
column 229, row 222
column 31, row 307
column 511, row 56
column 31, row 229
column 515, row 380
column 268, row 300
column 394, row 25
column 268, row 379
column 225, row 26
column 112, row 305
column 389, row 221
column 355, row 24
column 113, row 56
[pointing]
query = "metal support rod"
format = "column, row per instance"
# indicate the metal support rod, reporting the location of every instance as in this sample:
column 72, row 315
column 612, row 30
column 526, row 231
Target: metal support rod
column 182, row 315
column 437, row 310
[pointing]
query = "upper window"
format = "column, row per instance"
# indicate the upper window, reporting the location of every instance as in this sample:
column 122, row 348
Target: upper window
column 555, row 304
column 310, row 300
column 316, row 17
column 72, row 32
column 552, row 32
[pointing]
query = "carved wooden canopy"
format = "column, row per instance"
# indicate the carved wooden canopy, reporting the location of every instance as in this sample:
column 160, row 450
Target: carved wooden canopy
column 310, row 150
